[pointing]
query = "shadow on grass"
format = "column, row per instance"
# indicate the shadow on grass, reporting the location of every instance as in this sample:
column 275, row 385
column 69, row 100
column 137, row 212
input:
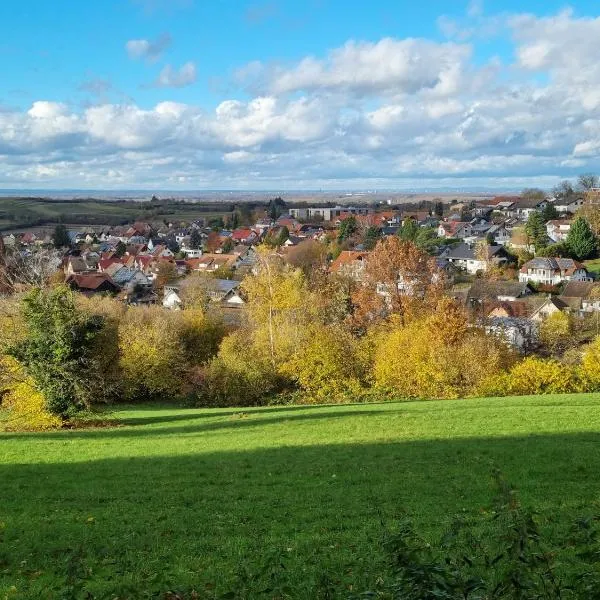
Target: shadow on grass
column 232, row 420
column 190, row 522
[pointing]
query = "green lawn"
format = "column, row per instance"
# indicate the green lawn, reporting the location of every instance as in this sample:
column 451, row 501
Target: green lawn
column 182, row 499
column 593, row 266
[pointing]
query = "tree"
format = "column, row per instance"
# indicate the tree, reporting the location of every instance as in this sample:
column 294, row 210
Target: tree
column 348, row 228
column 120, row 249
column 57, row 352
column 581, row 241
column 372, row 236
column 399, row 279
column 533, row 194
column 275, row 208
column 195, row 239
column 438, row 209
column 228, row 246
column 409, row 230
column 555, row 332
column 30, row 270
column 535, row 228
column 587, row 181
column 61, row 238
column 213, row 242
column 549, row 212
column 308, row 255
column 564, row 192
column 166, row 272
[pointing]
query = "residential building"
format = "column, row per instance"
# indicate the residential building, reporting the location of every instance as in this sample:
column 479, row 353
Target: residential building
column 553, row 271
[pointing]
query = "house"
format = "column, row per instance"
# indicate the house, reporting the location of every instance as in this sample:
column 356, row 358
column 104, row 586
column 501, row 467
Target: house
column 523, row 207
column 226, row 292
column 325, row 213
column 80, row 264
column 549, row 307
column 464, row 257
column 485, row 292
column 171, row 298
column 92, row 283
column 499, row 233
column 454, row 229
column 518, row 333
column 582, row 296
column 553, row 271
column 243, row 236
column 558, row 229
column 349, row 263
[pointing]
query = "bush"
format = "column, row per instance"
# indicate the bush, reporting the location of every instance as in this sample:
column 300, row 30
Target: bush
column 326, row 367
column 534, row 376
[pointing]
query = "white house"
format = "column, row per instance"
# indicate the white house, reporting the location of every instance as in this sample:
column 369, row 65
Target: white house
column 464, row 256
column 558, row 229
column 552, row 271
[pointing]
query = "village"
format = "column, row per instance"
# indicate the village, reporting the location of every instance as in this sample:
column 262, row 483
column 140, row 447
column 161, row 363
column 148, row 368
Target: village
column 505, row 259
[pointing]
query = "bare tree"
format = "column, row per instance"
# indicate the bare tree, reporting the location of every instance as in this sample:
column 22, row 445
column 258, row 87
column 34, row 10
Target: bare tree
column 28, row 269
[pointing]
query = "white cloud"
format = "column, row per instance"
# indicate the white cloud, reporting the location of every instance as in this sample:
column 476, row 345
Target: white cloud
column 369, row 114
column 171, row 77
column 148, row 49
column 390, row 65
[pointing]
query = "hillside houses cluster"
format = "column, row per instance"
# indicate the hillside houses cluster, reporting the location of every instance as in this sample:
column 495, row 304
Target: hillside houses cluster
column 131, row 262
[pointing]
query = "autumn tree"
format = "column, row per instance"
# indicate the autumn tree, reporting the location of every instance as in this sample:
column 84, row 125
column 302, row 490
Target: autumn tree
column 166, row 272
column 399, row 279
column 556, row 331
column 587, row 181
column 309, row 255
column 228, row 246
column 213, row 241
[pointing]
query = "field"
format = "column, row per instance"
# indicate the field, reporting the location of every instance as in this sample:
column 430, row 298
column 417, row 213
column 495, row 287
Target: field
column 182, row 499
column 19, row 213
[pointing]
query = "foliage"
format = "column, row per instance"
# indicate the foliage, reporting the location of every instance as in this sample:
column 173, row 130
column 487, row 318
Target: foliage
column 439, row 356
column 327, row 366
column 590, row 365
column 535, row 228
column 581, row 241
column 348, row 227
column 26, row 404
column 277, row 237
column 58, row 351
column 227, row 246
column 555, row 332
column 61, row 238
column 533, row 194
column 505, row 555
column 372, row 236
column 409, row 230
column 166, row 273
column 308, row 255
column 276, row 207
column 534, row 376
column 195, row 239
column 400, row 279
column 553, row 250
column 152, row 354
column 587, row 181
column 120, row 249
column 549, row 212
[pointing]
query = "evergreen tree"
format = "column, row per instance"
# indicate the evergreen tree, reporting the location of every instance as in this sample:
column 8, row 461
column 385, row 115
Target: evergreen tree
column 549, row 212
column 195, row 240
column 581, row 241
column 61, row 237
column 348, row 228
column 120, row 249
column 535, row 228
column 372, row 236
column 409, row 230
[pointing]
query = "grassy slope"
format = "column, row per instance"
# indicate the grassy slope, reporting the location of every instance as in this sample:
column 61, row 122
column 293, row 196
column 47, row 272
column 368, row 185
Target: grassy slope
column 177, row 499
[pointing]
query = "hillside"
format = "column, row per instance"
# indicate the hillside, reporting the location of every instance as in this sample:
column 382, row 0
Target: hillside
column 179, row 499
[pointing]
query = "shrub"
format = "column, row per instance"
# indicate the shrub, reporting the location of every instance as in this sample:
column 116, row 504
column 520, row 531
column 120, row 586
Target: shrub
column 152, row 354
column 57, row 352
column 326, row 367
column 27, row 406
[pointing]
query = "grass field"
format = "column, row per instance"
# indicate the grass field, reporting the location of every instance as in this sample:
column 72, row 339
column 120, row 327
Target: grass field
column 593, row 266
column 182, row 499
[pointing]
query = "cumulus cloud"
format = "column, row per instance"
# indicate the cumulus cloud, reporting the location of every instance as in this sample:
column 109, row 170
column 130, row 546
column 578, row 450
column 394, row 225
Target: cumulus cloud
column 388, row 65
column 392, row 113
column 150, row 50
column 176, row 78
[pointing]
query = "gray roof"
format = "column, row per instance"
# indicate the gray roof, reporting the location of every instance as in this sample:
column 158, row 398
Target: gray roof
column 466, row 252
column 226, row 285
column 493, row 289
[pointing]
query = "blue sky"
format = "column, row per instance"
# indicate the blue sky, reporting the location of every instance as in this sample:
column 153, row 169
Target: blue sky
column 223, row 93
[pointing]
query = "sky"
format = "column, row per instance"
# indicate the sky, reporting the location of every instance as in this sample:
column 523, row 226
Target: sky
column 303, row 94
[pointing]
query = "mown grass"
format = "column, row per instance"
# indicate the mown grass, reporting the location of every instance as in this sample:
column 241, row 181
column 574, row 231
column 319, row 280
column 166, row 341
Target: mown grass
column 184, row 499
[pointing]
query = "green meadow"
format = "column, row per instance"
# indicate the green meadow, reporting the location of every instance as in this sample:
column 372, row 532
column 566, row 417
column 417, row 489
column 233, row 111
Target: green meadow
column 192, row 503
